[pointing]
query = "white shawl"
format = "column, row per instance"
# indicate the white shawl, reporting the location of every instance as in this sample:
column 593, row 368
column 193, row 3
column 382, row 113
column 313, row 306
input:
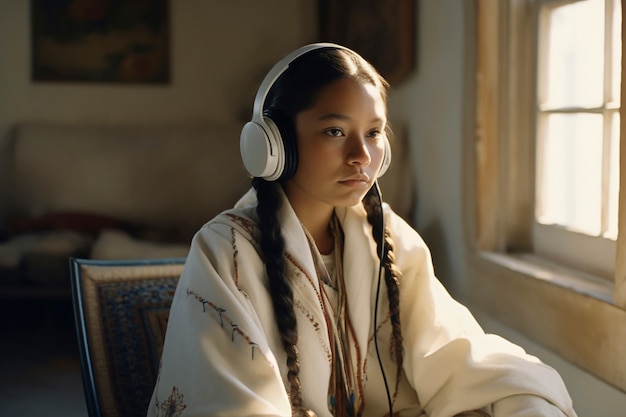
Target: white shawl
column 223, row 354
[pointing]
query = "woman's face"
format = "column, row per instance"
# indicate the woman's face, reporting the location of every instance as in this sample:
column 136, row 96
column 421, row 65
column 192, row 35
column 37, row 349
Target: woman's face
column 340, row 143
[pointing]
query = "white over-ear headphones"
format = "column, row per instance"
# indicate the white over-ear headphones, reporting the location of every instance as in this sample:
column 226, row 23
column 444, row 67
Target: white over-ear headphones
column 261, row 145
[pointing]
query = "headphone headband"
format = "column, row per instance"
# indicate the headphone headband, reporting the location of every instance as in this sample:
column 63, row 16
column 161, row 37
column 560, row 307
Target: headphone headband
column 276, row 71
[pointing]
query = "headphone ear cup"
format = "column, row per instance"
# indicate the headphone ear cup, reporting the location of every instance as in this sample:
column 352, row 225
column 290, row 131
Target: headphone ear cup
column 386, row 158
column 261, row 150
column 285, row 133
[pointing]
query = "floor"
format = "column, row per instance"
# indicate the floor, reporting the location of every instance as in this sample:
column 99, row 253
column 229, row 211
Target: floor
column 39, row 360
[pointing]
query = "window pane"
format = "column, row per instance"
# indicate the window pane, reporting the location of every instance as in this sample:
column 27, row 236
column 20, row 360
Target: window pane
column 569, row 181
column 575, row 67
column 616, row 57
column 613, row 204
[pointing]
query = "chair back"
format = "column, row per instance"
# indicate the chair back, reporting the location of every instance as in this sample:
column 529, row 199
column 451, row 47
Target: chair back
column 121, row 310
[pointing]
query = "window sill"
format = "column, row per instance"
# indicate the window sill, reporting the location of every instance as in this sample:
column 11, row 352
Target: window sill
column 535, row 267
column 566, row 311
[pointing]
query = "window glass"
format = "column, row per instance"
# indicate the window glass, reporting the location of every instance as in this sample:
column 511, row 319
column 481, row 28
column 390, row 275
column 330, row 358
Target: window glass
column 575, row 56
column 613, row 205
column 570, row 158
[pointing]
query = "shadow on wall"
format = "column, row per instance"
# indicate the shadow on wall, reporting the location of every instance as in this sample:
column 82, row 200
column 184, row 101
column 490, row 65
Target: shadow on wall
column 434, row 237
column 5, row 161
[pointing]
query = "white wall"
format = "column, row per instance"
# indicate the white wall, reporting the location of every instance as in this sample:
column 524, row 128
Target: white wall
column 431, row 103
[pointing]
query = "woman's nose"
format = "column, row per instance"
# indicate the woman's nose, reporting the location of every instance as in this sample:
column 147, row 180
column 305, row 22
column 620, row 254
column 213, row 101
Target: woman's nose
column 358, row 152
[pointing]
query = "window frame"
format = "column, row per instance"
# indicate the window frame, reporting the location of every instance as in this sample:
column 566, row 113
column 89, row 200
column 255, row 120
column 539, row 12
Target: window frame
column 578, row 316
column 547, row 236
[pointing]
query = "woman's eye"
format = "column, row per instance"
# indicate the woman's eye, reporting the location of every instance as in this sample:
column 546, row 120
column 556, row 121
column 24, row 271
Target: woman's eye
column 334, row 132
column 375, row 133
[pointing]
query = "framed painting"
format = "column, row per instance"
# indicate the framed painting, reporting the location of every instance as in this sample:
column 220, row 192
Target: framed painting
column 100, row 41
column 382, row 31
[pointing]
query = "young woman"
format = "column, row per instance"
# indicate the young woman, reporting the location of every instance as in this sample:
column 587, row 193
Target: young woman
column 311, row 297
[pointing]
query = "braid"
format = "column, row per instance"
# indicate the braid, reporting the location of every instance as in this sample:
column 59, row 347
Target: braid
column 374, row 217
column 273, row 247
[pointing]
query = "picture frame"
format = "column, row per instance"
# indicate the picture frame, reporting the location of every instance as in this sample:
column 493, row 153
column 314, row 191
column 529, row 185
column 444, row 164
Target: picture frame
column 100, row 41
column 382, row 31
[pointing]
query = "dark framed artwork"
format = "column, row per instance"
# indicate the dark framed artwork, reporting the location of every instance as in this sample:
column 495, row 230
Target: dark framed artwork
column 117, row 41
column 382, row 31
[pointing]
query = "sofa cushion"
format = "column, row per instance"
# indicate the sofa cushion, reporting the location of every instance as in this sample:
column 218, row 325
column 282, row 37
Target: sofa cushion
column 41, row 258
column 117, row 244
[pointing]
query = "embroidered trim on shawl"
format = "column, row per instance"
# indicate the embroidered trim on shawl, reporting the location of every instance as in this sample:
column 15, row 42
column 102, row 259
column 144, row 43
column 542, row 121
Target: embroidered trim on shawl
column 249, row 227
column 299, row 271
column 224, row 319
column 173, row 406
column 247, row 224
column 317, row 327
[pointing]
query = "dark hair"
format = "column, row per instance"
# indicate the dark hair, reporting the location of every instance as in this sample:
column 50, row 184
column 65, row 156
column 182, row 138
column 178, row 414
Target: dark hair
column 294, row 91
column 297, row 88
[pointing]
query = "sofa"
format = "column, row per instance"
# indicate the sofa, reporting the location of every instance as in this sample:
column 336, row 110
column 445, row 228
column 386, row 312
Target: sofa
column 123, row 192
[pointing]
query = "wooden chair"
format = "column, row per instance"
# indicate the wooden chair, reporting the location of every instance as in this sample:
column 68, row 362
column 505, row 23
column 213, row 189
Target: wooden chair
column 121, row 310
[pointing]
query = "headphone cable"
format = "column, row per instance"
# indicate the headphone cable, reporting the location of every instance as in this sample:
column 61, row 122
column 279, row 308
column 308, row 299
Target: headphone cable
column 380, row 268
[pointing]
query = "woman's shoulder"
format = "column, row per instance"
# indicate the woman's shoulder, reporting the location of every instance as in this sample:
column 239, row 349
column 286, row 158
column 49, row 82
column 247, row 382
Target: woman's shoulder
column 240, row 219
column 406, row 236
column 230, row 231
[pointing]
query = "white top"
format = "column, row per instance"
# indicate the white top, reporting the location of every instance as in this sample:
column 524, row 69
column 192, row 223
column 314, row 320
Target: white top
column 223, row 355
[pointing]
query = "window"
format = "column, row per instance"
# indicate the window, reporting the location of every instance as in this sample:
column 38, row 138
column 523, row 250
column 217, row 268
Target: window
column 547, row 255
column 577, row 133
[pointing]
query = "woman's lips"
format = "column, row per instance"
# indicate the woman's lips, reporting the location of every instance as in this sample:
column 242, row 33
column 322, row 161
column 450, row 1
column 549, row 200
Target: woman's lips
column 357, row 181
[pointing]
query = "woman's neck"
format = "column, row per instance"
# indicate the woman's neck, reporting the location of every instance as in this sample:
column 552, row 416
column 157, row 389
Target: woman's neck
column 314, row 215
column 317, row 223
